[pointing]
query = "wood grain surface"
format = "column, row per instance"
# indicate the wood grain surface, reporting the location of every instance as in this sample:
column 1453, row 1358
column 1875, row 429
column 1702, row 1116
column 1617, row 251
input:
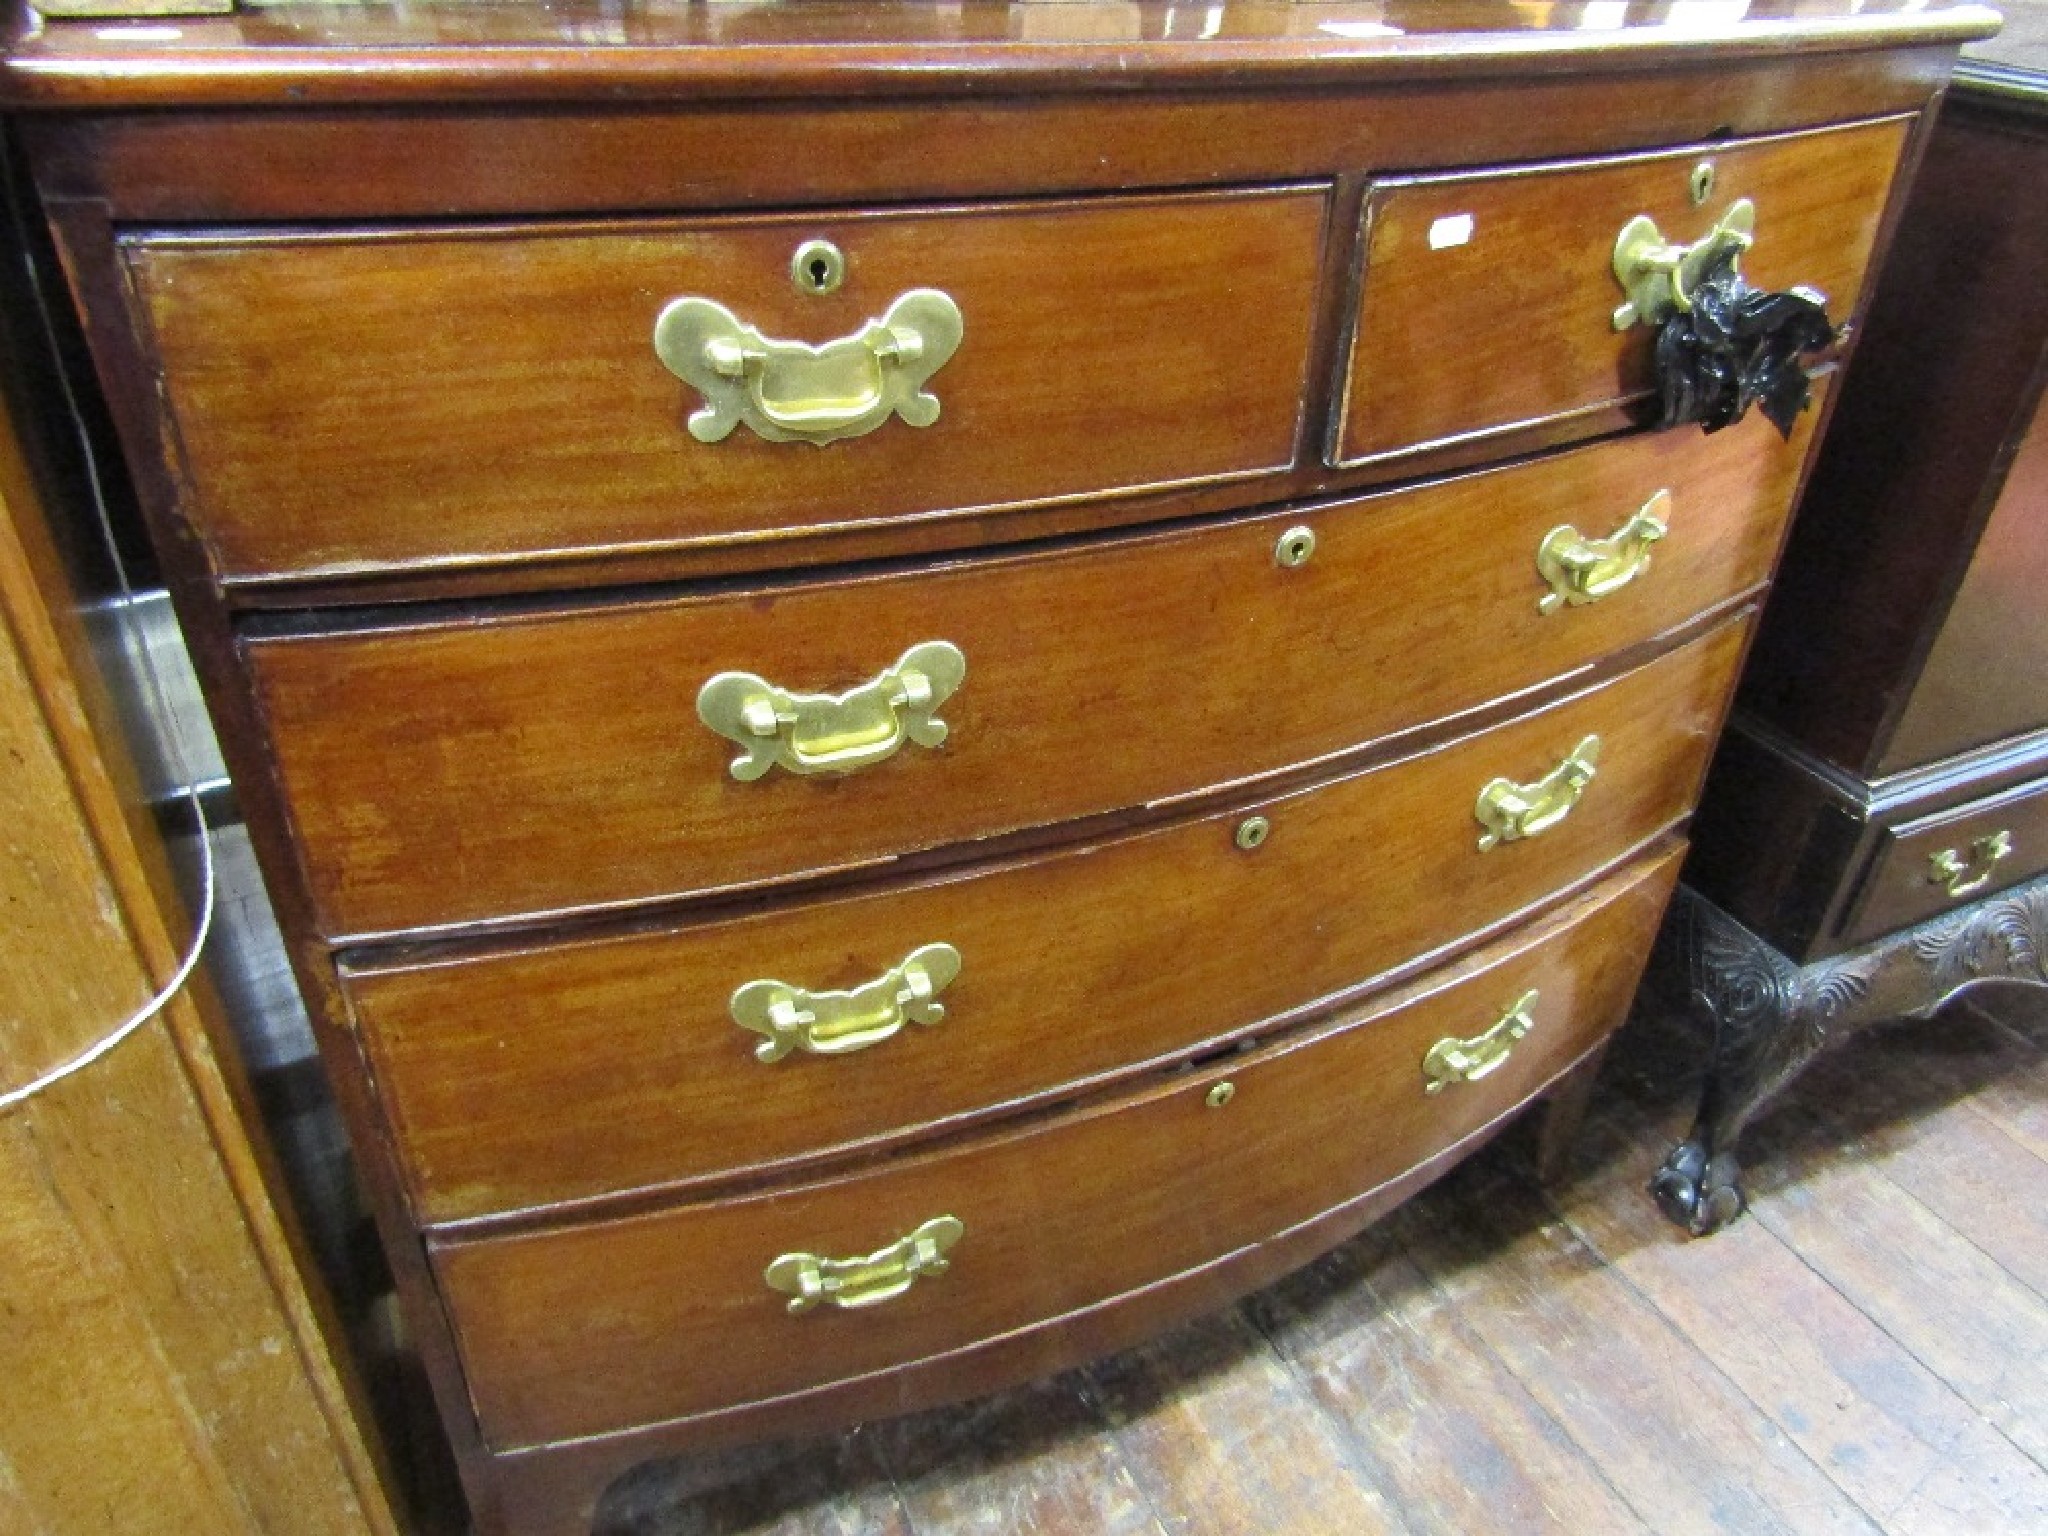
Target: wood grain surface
column 1985, row 674
column 498, row 396
column 1899, row 890
column 503, row 1074
column 483, row 52
column 584, row 1329
column 1512, row 322
column 167, row 1370
column 486, row 765
column 1947, row 381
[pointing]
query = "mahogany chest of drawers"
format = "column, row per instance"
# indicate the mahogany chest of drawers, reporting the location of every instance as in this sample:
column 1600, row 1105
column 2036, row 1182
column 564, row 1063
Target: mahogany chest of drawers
column 923, row 685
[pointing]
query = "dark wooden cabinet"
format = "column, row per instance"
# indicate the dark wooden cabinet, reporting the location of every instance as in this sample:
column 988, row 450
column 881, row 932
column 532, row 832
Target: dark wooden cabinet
column 1899, row 683
column 1875, row 828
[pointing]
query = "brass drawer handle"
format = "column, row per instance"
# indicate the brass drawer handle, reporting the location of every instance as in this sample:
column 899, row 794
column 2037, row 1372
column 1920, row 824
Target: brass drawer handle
column 882, row 1276
column 1452, row 1060
column 833, row 1023
column 833, row 732
column 1582, row 570
column 792, row 392
column 1962, row 877
column 1510, row 811
column 1660, row 276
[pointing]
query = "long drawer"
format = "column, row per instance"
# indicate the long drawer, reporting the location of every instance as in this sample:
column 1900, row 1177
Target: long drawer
column 511, row 762
column 504, row 1073
column 455, row 397
column 1486, row 299
column 583, row 1329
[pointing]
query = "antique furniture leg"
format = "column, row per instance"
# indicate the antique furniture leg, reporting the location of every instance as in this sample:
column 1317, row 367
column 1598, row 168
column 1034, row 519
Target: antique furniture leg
column 1564, row 1111
column 1771, row 1017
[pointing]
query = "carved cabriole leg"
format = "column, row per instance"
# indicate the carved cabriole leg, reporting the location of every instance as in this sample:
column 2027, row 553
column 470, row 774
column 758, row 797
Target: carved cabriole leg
column 1770, row 1017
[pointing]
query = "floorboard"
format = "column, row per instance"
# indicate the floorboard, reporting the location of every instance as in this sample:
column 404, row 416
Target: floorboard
column 1865, row 1351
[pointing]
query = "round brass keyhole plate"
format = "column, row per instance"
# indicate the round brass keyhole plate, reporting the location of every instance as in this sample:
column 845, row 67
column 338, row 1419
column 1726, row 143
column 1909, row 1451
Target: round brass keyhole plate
column 1701, row 183
column 1251, row 832
column 1294, row 547
column 818, row 266
column 1220, row 1095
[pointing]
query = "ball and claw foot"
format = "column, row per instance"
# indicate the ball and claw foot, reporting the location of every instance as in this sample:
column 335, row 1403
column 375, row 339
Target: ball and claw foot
column 1699, row 1193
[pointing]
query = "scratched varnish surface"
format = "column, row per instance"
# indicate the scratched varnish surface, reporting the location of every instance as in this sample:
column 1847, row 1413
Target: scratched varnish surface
column 1866, row 1351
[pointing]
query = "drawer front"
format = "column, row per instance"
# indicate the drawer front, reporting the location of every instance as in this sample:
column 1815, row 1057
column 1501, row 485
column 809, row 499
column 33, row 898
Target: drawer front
column 500, row 397
column 473, row 768
column 580, row 1330
column 1486, row 299
column 569, row 1071
column 1941, row 862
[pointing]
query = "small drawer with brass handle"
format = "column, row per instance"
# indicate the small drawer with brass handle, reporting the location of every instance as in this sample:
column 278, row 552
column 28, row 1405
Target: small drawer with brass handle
column 1960, row 874
column 1509, row 811
column 582, row 1327
column 1582, row 570
column 865, row 1282
column 1486, row 303
column 807, row 733
column 835, row 1023
column 792, row 392
column 1455, row 1060
column 1921, row 866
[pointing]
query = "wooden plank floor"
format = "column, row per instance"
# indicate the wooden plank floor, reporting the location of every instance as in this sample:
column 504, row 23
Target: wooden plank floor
column 1866, row 1351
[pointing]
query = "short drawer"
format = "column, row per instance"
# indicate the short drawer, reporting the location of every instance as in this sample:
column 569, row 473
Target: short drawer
column 459, row 397
column 1486, row 299
column 578, row 1330
column 555, row 1073
column 1924, row 867
column 477, row 765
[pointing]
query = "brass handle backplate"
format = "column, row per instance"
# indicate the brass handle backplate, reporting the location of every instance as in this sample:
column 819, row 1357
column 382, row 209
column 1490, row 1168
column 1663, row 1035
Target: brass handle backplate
column 1452, row 1060
column 833, row 732
column 1510, row 811
column 882, row 1276
column 1582, row 570
column 792, row 392
column 1660, row 276
column 1960, row 876
column 833, row 1023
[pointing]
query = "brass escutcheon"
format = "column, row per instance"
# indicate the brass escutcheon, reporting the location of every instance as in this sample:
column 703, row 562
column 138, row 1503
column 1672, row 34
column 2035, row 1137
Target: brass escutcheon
column 1251, row 832
column 1959, row 876
column 882, row 1276
column 1510, row 811
column 1294, row 548
column 834, row 1023
column 1452, row 1060
column 808, row 733
column 1220, row 1095
column 818, row 266
column 1659, row 276
column 792, row 392
column 1582, row 570
column 1700, row 185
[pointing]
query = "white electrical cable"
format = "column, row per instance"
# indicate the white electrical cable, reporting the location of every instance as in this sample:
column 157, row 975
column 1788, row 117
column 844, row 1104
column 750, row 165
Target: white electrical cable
column 155, row 1005
column 147, row 666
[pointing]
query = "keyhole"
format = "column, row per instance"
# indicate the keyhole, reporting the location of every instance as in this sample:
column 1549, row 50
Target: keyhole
column 817, row 267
